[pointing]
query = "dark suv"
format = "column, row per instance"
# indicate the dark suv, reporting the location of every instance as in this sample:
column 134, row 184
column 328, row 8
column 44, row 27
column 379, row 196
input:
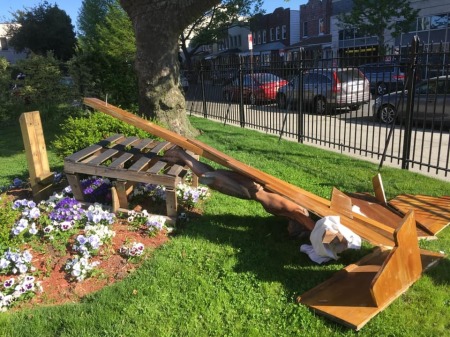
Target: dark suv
column 384, row 77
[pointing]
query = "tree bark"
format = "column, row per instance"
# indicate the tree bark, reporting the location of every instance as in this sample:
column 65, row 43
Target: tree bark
column 157, row 26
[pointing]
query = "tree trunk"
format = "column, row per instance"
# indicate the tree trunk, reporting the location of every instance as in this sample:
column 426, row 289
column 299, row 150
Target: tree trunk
column 157, row 26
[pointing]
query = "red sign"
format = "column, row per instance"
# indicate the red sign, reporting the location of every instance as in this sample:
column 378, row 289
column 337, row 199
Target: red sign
column 250, row 41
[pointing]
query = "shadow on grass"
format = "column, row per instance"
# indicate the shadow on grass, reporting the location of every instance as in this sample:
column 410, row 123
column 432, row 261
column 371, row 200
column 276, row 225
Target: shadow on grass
column 265, row 249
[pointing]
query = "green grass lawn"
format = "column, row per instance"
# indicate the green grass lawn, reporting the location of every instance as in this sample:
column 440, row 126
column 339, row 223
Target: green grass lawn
column 234, row 271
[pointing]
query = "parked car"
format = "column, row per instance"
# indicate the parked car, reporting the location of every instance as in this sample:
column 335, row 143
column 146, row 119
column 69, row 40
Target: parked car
column 257, row 88
column 327, row 89
column 224, row 76
column 384, row 77
column 431, row 103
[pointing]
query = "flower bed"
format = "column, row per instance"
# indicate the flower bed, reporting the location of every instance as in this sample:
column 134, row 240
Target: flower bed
column 57, row 251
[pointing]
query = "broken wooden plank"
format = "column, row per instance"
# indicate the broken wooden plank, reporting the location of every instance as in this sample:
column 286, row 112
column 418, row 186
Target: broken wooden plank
column 360, row 291
column 369, row 206
column 341, row 202
column 320, row 206
column 378, row 188
column 432, row 213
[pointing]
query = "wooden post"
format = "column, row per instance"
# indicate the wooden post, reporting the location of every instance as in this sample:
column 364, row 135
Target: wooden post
column 41, row 178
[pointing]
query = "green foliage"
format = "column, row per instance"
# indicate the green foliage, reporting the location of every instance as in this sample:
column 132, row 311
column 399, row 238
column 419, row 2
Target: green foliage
column 92, row 12
column 234, row 272
column 375, row 17
column 43, row 85
column 7, row 218
column 117, row 45
column 213, row 24
column 42, row 29
column 104, row 63
column 80, row 132
column 5, row 88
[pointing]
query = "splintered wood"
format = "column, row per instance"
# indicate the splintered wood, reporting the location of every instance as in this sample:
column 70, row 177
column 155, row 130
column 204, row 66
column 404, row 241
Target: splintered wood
column 357, row 293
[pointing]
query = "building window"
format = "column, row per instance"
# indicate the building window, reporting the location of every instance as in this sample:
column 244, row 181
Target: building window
column 240, row 40
column 272, row 36
column 321, row 27
column 423, row 23
column 265, row 59
column 439, row 21
column 259, row 37
column 305, row 28
column 235, row 41
column 254, row 38
column 347, row 34
column 264, row 36
column 278, row 33
column 4, row 43
column 283, row 32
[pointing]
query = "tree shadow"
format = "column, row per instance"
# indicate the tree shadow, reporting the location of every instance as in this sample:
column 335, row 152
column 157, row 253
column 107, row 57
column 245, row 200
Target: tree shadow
column 265, row 249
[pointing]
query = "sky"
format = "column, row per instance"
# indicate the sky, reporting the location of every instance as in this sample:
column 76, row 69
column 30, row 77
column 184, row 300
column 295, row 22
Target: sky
column 71, row 7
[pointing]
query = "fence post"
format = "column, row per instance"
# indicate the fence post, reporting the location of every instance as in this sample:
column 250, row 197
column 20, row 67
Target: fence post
column 411, row 84
column 202, row 83
column 241, row 95
column 300, row 123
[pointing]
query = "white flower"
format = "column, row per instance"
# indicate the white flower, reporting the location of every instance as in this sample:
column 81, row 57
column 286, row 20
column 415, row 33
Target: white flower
column 27, row 257
column 4, row 263
column 48, row 229
column 33, row 230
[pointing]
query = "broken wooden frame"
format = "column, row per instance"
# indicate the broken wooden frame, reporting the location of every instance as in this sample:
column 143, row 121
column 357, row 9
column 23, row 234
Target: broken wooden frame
column 379, row 277
column 127, row 160
column 41, row 178
column 372, row 231
column 361, row 290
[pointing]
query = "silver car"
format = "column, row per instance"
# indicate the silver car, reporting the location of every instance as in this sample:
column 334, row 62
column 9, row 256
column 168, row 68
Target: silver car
column 326, row 89
column 431, row 103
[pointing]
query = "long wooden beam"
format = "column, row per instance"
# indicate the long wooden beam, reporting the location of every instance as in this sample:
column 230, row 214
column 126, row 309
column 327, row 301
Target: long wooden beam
column 370, row 230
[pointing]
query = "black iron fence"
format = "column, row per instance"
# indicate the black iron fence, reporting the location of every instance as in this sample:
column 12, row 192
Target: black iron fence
column 396, row 110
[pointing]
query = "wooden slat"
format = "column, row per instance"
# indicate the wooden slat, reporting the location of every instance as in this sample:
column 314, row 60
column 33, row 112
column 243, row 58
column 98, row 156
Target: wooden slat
column 94, row 149
column 161, row 146
column 378, row 188
column 432, row 213
column 80, row 155
column 120, row 161
column 104, row 156
column 175, row 170
column 142, row 145
column 403, row 266
column 320, row 206
column 140, row 164
column 157, row 167
column 341, row 202
column 370, row 207
column 123, row 174
column 111, row 139
column 41, row 178
column 124, row 143
column 34, row 142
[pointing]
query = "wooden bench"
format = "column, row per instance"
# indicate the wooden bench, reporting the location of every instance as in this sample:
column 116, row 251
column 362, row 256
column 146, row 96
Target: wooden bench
column 127, row 161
